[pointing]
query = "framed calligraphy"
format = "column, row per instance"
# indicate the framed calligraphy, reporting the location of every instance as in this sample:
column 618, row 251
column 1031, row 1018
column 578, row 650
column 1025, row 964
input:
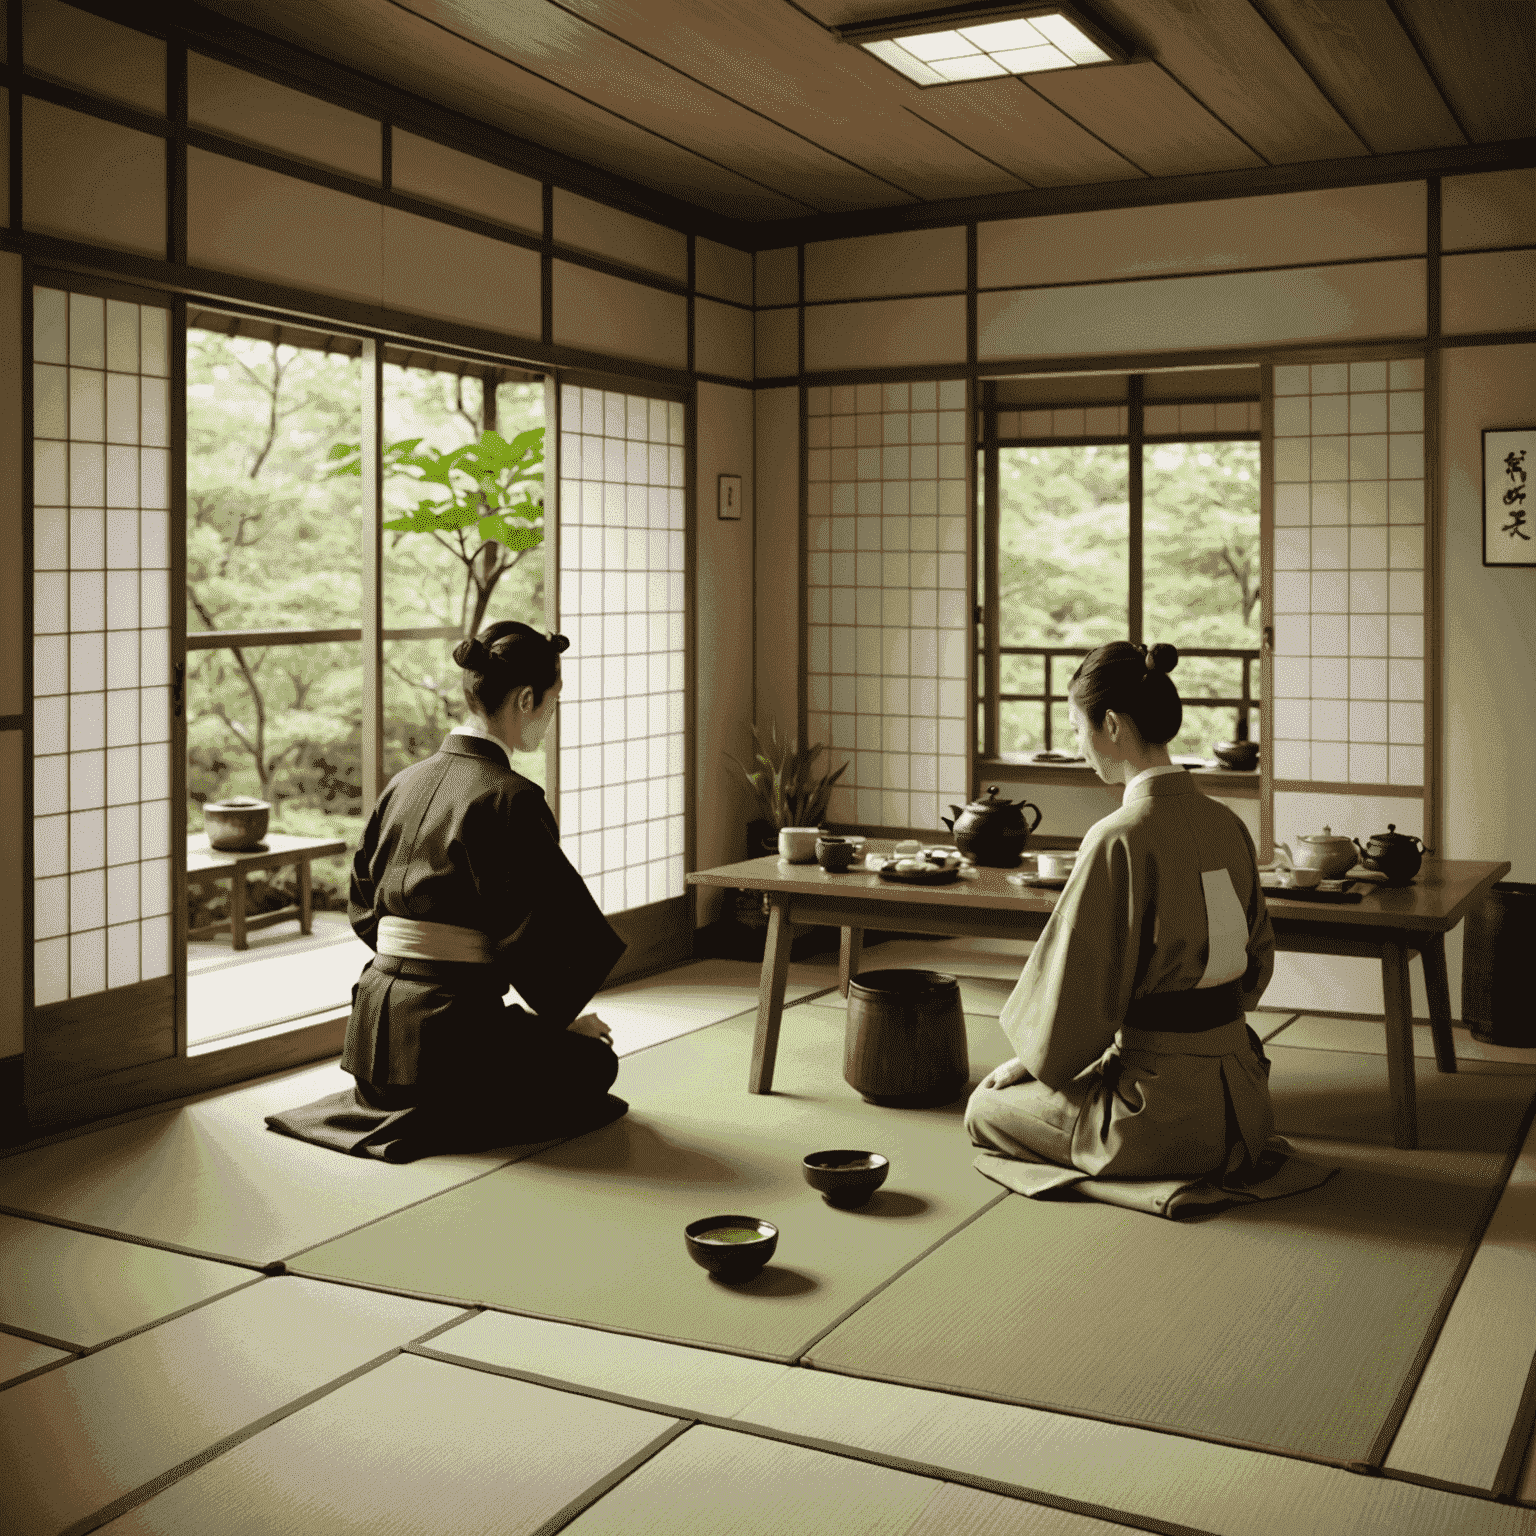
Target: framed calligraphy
column 1509, row 496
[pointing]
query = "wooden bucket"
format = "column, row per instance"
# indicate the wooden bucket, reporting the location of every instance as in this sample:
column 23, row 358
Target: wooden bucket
column 905, row 1046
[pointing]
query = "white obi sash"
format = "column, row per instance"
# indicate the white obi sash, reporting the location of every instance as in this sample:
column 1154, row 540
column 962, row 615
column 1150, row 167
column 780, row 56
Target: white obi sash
column 407, row 938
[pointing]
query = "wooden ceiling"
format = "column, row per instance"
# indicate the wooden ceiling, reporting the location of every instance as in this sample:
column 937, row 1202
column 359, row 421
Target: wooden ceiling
column 753, row 110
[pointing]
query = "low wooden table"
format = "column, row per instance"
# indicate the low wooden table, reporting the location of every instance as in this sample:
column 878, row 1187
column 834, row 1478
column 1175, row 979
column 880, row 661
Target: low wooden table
column 206, row 866
column 1389, row 925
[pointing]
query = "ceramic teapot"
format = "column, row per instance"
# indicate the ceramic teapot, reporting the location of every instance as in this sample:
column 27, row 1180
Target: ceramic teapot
column 1330, row 855
column 992, row 831
column 1393, row 854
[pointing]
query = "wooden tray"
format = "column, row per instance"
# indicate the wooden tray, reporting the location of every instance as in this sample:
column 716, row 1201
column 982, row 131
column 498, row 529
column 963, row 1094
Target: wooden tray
column 1304, row 893
column 921, row 877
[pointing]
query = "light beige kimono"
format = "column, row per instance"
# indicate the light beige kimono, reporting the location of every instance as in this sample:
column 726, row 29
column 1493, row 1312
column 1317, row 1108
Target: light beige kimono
column 1164, row 898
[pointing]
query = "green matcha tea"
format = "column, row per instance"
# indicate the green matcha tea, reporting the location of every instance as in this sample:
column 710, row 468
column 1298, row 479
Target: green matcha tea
column 858, row 1162
column 730, row 1235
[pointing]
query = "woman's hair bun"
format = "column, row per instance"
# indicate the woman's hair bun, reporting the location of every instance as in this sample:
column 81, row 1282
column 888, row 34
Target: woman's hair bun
column 1161, row 658
column 472, row 655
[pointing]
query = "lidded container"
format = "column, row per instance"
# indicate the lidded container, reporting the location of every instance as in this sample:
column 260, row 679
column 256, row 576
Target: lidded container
column 1330, row 854
column 992, row 831
column 1393, row 854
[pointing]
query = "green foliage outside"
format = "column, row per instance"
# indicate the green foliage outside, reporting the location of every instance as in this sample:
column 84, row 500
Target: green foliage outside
column 1064, row 572
column 274, row 541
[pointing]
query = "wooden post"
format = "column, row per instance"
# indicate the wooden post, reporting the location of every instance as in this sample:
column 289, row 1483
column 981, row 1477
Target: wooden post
column 372, row 535
column 1437, row 985
column 850, row 953
column 1399, row 1021
column 770, row 993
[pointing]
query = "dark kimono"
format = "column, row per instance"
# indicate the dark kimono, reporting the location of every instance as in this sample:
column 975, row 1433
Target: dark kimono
column 441, row 1063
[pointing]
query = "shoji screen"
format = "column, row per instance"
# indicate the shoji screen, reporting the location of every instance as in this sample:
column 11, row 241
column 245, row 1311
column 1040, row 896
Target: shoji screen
column 886, row 592
column 622, row 519
column 101, row 712
column 1348, row 583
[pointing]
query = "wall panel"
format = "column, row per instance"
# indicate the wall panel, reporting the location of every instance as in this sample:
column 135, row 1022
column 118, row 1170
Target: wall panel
column 722, row 804
column 241, row 218
column 1488, row 291
column 435, row 269
column 1492, row 208
column 1339, row 224
column 1370, row 300
column 12, row 767
column 93, row 54
column 920, row 261
column 436, row 174
column 885, row 333
column 722, row 270
column 603, row 231
column 778, row 343
column 86, row 179
column 722, row 339
column 777, row 585
column 242, row 106
column 5, row 158
column 777, row 276
column 600, row 313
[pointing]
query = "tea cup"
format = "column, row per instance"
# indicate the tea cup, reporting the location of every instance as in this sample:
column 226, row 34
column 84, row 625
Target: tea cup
column 834, row 854
column 1305, row 879
column 1053, row 866
column 797, row 845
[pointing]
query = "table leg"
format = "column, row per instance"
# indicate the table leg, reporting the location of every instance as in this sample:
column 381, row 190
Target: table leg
column 1399, row 1012
column 770, row 994
column 237, row 908
column 306, row 898
column 1432, row 948
column 850, row 954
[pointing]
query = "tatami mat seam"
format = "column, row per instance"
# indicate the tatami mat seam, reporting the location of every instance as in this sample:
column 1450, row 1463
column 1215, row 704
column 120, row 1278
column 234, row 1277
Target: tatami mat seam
column 1016, row 1491
column 1518, row 1448
column 611, row 1479
column 271, row 1267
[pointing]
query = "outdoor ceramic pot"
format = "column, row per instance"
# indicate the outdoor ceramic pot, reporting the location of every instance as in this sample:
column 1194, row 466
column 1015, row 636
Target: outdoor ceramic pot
column 992, row 831
column 1393, row 854
column 236, row 825
column 1324, row 851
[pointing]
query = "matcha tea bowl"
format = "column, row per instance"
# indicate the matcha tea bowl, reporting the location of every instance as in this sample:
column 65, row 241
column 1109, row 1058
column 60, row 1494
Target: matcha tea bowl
column 731, row 1248
column 845, row 1178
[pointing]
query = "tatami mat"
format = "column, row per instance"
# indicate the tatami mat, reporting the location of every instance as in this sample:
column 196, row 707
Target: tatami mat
column 1000, row 959
column 1458, row 1424
column 82, row 1290
column 415, row 1447
column 609, row 1208
column 1291, row 1325
column 1148, row 1476
column 1319, row 1032
column 139, row 1408
column 710, row 1482
column 19, row 1356
column 673, row 1376
column 210, row 1176
column 959, row 1511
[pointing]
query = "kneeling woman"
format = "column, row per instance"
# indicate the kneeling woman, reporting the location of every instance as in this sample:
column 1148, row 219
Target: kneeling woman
column 461, row 889
column 1135, row 1061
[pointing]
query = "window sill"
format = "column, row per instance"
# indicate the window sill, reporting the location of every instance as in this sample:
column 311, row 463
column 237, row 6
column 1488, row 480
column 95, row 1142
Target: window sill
column 1228, row 783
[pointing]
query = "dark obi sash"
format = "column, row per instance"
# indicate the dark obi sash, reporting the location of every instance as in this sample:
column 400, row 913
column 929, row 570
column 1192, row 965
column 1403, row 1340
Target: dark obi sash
column 1187, row 1013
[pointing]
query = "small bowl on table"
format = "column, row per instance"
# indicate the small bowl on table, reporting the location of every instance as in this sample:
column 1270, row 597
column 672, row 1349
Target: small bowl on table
column 743, row 1246
column 846, row 1178
column 1236, row 754
column 1305, row 879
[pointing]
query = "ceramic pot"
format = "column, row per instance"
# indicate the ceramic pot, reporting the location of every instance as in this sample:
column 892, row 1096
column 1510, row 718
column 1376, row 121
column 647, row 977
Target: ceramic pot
column 1323, row 851
column 834, row 854
column 1393, row 854
column 236, row 825
column 1236, row 754
column 992, row 831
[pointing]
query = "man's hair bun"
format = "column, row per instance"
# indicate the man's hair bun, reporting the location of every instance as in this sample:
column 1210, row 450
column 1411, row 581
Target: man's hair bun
column 472, row 655
column 1162, row 658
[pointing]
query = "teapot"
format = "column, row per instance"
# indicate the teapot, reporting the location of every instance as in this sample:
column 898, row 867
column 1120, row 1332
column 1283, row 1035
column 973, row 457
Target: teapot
column 1393, row 854
column 992, row 831
column 1330, row 855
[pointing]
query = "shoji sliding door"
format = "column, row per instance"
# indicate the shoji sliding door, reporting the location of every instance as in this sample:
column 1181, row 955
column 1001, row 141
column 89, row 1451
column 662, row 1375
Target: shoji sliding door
column 1349, row 597
column 106, row 827
column 888, row 632
column 622, row 602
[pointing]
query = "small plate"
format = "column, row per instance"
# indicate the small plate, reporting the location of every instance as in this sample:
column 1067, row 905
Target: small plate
column 921, row 876
column 1045, row 882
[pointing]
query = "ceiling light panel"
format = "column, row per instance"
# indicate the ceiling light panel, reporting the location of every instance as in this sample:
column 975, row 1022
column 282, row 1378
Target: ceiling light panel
column 985, row 44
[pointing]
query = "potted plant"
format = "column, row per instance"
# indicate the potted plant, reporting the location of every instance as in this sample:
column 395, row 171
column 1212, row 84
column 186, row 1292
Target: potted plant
column 789, row 790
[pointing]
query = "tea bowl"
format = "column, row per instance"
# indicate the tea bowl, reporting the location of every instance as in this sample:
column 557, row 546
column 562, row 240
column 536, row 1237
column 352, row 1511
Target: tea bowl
column 728, row 1260
column 1236, row 754
column 844, row 1186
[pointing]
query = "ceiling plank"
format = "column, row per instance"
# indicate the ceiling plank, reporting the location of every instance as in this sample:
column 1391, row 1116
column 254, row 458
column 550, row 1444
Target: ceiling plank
column 780, row 63
column 403, row 50
column 1370, row 69
column 1144, row 113
column 1227, row 55
column 1482, row 53
column 568, row 51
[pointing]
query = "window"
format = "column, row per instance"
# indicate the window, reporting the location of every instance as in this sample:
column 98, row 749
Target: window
column 1117, row 507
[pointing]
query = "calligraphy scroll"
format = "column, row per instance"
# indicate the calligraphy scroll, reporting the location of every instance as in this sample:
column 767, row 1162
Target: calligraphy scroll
column 1509, row 496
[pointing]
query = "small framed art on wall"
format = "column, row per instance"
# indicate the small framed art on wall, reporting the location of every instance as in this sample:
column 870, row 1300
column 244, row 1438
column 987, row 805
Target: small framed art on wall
column 1509, row 496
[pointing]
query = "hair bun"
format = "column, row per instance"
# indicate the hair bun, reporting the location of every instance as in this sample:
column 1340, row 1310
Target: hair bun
column 472, row 655
column 1161, row 658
